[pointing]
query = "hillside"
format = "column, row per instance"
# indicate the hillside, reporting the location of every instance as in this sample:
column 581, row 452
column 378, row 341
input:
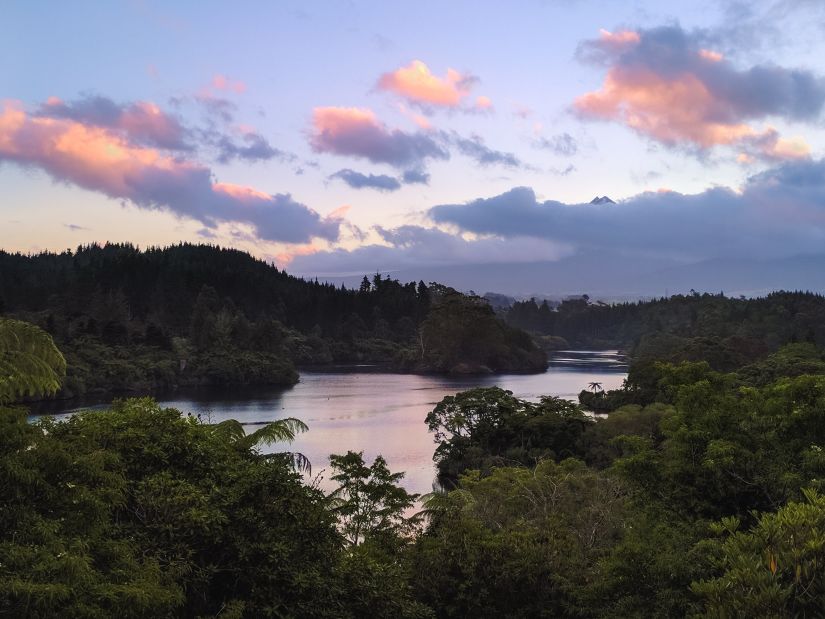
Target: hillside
column 190, row 315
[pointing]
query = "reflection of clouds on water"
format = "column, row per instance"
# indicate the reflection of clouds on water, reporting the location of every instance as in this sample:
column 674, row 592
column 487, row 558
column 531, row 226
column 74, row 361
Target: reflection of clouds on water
column 380, row 413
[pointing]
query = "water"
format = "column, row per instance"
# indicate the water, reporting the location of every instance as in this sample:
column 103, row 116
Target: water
column 382, row 413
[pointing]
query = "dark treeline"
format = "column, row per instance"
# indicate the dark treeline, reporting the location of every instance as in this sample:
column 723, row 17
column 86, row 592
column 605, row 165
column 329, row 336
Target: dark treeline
column 137, row 320
column 726, row 332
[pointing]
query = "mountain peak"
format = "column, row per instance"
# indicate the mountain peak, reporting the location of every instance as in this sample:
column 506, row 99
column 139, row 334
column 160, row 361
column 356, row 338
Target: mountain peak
column 602, row 200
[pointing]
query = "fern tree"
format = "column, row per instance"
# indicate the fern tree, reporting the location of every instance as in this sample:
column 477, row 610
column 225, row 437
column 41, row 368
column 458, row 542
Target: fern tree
column 30, row 363
column 282, row 430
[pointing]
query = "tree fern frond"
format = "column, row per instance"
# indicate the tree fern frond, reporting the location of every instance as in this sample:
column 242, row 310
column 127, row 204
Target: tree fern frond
column 282, row 430
column 30, row 363
column 300, row 462
column 230, row 429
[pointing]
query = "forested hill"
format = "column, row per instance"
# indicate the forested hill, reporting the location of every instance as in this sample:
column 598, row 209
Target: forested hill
column 727, row 332
column 132, row 320
column 161, row 286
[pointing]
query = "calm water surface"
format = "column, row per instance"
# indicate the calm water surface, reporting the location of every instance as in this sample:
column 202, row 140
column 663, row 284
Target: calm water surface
column 380, row 413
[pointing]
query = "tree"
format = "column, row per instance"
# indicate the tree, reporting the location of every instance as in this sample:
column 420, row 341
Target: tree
column 462, row 334
column 772, row 570
column 272, row 432
column 487, row 427
column 369, row 503
column 595, row 387
column 30, row 363
column 139, row 511
column 521, row 542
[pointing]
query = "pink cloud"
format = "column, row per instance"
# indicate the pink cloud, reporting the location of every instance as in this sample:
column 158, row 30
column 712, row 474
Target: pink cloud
column 221, row 82
column 618, row 41
column 711, row 56
column 484, row 103
column 668, row 110
column 665, row 86
column 768, row 145
column 144, row 118
column 142, row 122
column 340, row 212
column 417, row 84
column 284, row 258
column 106, row 160
column 358, row 132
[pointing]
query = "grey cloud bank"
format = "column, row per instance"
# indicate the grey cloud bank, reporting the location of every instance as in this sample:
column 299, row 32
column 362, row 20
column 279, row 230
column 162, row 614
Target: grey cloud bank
column 768, row 235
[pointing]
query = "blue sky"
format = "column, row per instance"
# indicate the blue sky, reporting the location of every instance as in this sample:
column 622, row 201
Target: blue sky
column 296, row 131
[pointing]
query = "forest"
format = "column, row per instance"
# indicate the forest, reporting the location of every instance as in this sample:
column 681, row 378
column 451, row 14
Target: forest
column 703, row 497
column 755, row 341
column 723, row 330
column 191, row 315
column 698, row 492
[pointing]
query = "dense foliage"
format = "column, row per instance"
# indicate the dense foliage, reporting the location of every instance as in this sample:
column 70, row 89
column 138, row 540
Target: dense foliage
column 461, row 335
column 703, row 502
column 140, row 512
column 487, row 427
column 192, row 315
column 30, row 363
column 699, row 494
column 726, row 332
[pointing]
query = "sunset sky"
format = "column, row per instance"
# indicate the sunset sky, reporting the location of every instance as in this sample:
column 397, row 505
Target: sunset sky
column 338, row 138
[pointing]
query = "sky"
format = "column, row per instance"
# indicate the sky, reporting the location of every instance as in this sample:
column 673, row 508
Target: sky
column 344, row 137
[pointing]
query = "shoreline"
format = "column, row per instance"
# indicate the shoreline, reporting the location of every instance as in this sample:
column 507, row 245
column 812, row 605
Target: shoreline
column 58, row 405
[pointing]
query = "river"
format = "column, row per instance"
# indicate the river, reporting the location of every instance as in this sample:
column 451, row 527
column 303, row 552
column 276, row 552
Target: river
column 356, row 408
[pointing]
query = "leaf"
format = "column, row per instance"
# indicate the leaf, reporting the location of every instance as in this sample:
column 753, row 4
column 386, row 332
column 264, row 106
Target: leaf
column 30, row 363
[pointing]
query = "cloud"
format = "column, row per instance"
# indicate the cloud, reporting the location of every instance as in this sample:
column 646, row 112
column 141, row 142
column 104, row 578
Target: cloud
column 75, row 227
column 358, row 133
column 224, row 142
column 777, row 213
column 357, row 180
column 221, row 82
column 484, row 104
column 216, row 108
column 418, row 85
column 104, row 159
column 562, row 144
column 412, row 177
column 665, row 84
column 522, row 111
column 475, row 148
column 255, row 147
column 417, row 246
column 141, row 122
column 381, row 182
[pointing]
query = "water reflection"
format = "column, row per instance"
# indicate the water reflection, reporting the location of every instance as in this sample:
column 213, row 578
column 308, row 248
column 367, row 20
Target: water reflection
column 382, row 413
